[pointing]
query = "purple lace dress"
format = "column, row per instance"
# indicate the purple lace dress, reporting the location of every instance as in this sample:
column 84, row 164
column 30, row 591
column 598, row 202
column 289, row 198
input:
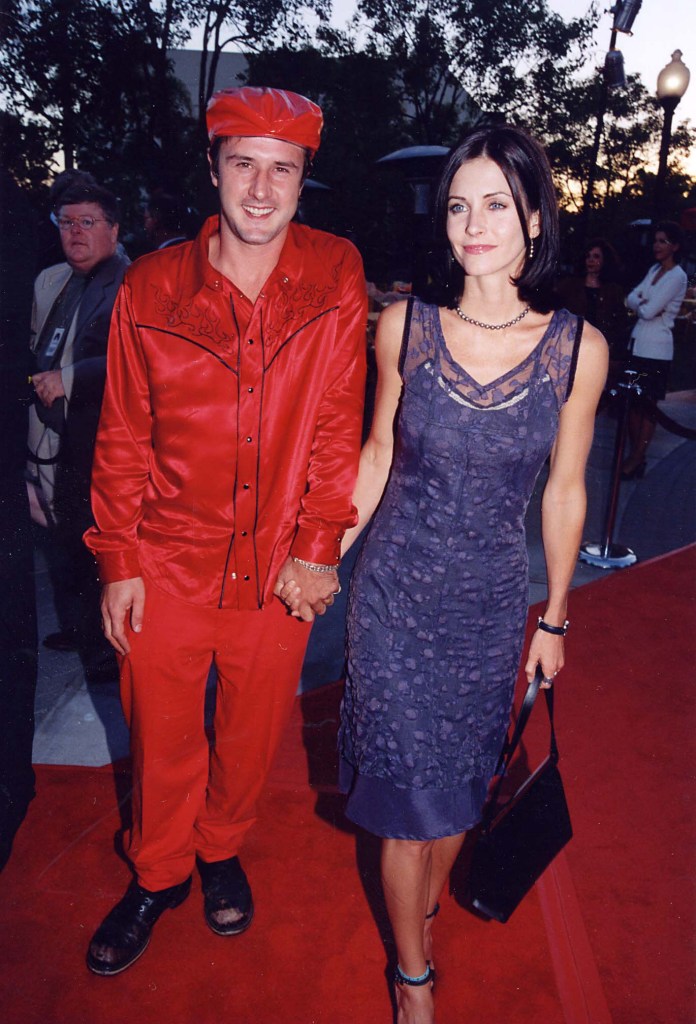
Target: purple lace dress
column 439, row 595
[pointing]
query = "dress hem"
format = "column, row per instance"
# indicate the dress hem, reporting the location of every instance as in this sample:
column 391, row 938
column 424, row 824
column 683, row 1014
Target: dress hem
column 394, row 812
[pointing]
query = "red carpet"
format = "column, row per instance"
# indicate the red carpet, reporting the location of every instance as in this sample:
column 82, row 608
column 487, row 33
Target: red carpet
column 606, row 937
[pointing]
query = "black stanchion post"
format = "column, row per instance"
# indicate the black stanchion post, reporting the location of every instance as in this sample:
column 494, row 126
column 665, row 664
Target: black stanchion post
column 606, row 554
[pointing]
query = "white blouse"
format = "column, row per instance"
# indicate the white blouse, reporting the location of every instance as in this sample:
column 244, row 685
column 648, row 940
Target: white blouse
column 656, row 304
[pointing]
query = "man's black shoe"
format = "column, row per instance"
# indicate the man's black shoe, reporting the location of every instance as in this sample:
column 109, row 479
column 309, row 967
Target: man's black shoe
column 65, row 640
column 76, row 639
column 124, row 933
column 228, row 905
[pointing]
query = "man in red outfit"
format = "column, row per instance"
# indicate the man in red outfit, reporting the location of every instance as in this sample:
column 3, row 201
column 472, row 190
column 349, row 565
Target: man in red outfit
column 224, row 467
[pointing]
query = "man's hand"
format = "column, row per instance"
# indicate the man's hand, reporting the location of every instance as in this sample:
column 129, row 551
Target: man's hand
column 306, row 593
column 116, row 601
column 48, row 386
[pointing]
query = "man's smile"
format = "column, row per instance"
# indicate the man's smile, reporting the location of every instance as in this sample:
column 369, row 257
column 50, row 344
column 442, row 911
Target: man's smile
column 258, row 211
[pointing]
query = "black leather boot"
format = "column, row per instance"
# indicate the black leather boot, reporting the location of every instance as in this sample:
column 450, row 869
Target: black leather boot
column 228, row 905
column 124, row 933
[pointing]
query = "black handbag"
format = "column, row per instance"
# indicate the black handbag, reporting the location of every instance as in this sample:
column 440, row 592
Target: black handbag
column 518, row 841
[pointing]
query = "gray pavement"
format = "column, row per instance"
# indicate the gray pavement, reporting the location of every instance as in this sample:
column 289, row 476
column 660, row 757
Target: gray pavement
column 79, row 721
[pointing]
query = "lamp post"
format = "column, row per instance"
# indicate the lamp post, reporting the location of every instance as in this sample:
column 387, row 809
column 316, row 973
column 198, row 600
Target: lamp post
column 672, row 83
column 613, row 77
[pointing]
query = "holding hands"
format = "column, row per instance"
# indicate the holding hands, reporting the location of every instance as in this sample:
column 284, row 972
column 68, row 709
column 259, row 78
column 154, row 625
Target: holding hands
column 306, row 592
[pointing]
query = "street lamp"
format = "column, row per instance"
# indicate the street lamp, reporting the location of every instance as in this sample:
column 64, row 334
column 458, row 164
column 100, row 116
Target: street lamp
column 613, row 77
column 672, row 83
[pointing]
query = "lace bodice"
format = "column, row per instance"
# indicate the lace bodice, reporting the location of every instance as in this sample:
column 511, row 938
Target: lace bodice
column 552, row 359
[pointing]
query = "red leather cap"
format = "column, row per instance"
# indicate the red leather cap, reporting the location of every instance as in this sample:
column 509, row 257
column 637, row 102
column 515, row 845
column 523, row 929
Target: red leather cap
column 262, row 112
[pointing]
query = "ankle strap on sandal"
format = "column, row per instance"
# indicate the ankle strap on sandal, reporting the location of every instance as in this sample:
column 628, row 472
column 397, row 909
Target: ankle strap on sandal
column 434, row 912
column 405, row 979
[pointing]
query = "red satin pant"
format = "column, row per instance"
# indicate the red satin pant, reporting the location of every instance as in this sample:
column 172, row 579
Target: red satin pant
column 187, row 798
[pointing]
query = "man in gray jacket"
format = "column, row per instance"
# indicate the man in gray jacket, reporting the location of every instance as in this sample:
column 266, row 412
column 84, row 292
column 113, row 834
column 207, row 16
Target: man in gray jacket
column 72, row 309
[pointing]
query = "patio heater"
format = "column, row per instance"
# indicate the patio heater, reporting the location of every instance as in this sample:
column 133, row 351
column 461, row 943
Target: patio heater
column 421, row 165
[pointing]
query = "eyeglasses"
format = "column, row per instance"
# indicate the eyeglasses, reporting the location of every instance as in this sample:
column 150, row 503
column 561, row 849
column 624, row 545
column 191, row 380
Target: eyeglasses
column 86, row 223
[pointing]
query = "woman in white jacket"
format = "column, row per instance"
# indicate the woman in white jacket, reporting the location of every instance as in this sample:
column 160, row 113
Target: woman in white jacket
column 655, row 302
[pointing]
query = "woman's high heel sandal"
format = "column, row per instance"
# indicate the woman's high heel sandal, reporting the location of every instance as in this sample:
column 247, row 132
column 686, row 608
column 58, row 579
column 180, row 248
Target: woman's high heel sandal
column 406, row 979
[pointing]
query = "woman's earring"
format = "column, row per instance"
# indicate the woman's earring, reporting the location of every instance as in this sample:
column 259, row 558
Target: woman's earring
column 531, row 249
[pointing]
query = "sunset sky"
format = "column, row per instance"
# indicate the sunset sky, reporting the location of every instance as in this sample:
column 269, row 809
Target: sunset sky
column 661, row 27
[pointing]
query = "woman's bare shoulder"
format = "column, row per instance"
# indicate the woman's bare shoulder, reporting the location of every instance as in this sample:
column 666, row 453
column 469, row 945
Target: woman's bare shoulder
column 593, row 342
column 390, row 330
column 593, row 363
column 393, row 316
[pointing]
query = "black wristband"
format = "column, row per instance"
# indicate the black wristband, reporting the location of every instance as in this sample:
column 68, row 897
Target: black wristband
column 556, row 630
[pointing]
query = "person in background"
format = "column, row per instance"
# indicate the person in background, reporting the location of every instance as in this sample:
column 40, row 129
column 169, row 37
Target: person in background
column 164, row 220
column 71, row 313
column 481, row 390
column 596, row 295
column 49, row 249
column 225, row 463
column 655, row 302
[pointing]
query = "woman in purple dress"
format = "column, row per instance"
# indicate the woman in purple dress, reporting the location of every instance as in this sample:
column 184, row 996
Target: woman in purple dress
column 472, row 398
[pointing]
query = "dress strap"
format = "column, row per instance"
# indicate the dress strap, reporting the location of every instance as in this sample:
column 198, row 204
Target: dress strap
column 574, row 356
column 407, row 331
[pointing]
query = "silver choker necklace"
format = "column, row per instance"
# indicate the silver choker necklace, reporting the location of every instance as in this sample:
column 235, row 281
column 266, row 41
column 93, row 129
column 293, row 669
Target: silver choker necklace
column 491, row 327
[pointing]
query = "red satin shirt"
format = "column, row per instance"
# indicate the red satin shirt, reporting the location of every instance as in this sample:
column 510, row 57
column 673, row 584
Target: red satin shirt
column 230, row 431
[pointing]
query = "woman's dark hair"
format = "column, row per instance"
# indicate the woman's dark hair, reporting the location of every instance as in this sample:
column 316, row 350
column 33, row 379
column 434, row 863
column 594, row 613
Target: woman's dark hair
column 87, row 192
column 675, row 235
column 610, row 272
column 214, row 153
column 523, row 162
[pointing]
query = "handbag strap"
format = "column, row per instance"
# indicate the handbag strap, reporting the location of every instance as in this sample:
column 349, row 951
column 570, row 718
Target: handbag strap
column 512, row 742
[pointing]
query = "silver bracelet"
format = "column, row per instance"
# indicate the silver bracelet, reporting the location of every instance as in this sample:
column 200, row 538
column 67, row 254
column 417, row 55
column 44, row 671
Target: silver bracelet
column 315, row 566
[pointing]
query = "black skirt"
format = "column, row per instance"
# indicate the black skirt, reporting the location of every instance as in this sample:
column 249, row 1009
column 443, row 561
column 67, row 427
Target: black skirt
column 654, row 376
